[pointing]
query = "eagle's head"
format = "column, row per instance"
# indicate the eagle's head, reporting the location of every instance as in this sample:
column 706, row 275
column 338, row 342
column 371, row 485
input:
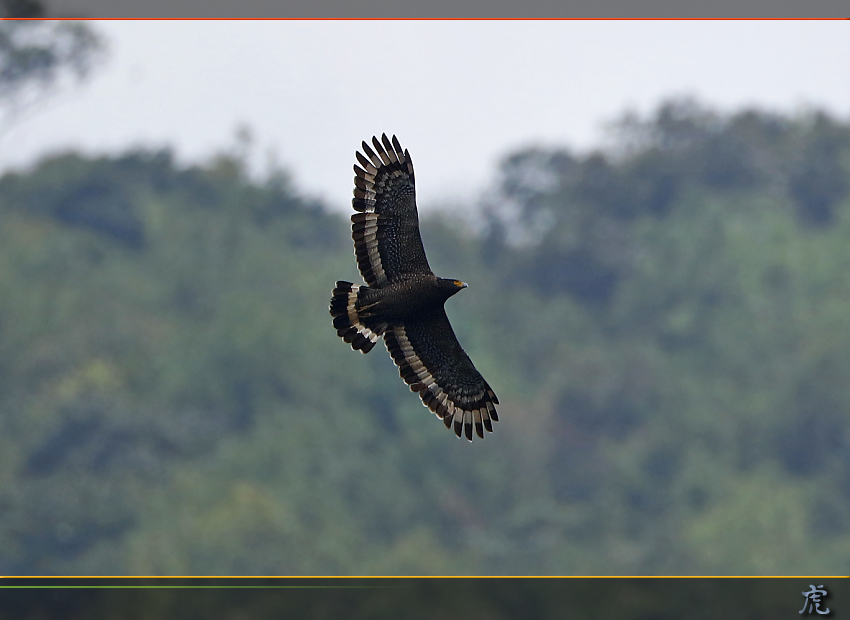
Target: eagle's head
column 451, row 286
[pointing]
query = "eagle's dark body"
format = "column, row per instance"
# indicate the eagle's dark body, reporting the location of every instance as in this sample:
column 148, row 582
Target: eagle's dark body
column 402, row 300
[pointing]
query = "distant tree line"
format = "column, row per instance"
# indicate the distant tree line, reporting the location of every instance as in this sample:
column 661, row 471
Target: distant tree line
column 664, row 321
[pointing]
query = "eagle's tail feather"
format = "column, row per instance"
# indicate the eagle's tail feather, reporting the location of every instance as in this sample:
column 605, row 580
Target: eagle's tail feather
column 361, row 333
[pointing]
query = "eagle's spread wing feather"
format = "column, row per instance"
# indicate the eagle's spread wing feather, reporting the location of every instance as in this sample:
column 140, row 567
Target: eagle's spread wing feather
column 385, row 228
column 431, row 360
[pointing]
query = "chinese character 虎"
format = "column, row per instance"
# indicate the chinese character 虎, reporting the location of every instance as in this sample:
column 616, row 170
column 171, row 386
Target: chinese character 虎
column 813, row 600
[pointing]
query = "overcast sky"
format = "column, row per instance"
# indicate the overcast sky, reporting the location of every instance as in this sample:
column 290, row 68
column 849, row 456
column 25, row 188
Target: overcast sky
column 459, row 94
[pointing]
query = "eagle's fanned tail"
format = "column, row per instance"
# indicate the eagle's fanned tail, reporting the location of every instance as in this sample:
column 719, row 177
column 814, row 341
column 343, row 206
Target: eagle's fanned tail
column 360, row 333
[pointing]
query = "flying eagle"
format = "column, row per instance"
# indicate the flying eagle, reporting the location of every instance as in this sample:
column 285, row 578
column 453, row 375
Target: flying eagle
column 403, row 299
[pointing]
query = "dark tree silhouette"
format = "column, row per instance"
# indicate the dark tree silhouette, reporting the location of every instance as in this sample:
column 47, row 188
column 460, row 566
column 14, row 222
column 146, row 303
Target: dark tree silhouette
column 35, row 54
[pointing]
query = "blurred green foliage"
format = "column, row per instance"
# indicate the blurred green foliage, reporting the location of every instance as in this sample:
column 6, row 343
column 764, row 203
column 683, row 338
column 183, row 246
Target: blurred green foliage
column 666, row 324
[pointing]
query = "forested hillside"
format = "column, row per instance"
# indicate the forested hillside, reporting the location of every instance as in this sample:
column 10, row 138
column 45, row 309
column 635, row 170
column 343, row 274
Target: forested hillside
column 665, row 323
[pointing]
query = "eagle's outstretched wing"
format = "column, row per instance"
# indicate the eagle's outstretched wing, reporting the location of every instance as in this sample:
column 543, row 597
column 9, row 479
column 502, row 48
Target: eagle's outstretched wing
column 432, row 362
column 385, row 228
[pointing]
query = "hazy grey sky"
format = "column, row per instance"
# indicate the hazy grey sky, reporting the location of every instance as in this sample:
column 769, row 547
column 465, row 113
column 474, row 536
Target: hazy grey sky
column 459, row 94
